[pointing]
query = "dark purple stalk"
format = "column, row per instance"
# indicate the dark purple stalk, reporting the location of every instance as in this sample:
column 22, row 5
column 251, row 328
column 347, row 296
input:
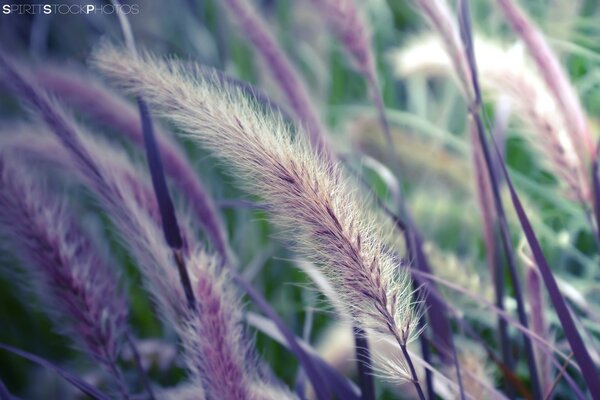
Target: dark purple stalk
column 169, row 224
column 159, row 183
column 109, row 109
column 413, row 372
column 342, row 387
column 457, row 315
column 588, row 369
column 165, row 204
column 4, row 393
column 66, row 375
column 474, row 110
column 321, row 387
column 363, row 364
column 490, row 233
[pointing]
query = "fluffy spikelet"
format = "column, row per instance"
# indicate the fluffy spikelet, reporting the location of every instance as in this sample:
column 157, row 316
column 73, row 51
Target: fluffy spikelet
column 554, row 76
column 505, row 72
column 351, row 29
column 64, row 262
column 349, row 26
column 332, row 224
column 216, row 350
column 217, row 353
column 121, row 189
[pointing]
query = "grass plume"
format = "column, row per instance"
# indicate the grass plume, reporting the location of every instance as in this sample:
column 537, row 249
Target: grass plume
column 331, row 221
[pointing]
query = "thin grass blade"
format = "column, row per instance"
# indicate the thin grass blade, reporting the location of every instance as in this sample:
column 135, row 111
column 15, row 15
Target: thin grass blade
column 588, row 369
column 320, row 385
column 167, row 210
column 474, row 111
column 66, row 375
column 365, row 370
column 342, row 387
column 170, row 225
column 4, row 393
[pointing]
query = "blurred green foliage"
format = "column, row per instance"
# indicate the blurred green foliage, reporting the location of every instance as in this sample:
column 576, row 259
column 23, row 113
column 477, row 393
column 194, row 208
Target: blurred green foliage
column 200, row 30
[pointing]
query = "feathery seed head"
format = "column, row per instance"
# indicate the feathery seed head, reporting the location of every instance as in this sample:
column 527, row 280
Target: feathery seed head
column 333, row 224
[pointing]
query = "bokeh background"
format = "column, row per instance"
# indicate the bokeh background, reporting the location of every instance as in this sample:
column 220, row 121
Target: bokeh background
column 428, row 119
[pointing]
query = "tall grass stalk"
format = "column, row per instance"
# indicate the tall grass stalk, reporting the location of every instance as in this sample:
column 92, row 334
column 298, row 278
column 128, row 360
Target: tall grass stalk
column 475, row 105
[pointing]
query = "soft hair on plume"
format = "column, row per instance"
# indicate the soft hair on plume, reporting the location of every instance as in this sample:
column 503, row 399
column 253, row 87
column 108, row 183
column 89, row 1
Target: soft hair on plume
column 333, row 224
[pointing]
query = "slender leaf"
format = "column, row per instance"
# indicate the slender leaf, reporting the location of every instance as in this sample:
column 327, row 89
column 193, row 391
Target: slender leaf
column 363, row 361
column 342, row 387
column 4, row 393
column 322, row 387
column 66, row 375
column 474, row 109
column 588, row 369
column 170, row 225
column 165, row 204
